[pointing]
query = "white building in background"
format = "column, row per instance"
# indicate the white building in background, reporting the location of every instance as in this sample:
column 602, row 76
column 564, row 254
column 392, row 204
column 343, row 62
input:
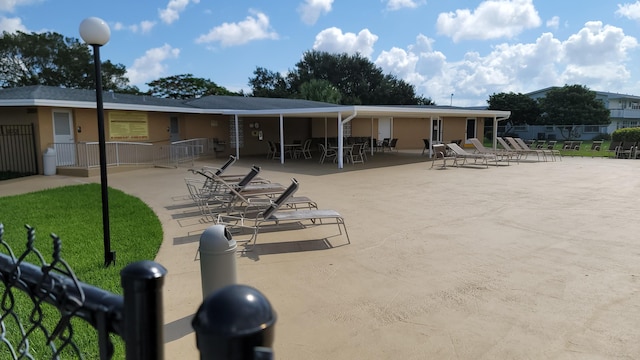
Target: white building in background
column 624, row 109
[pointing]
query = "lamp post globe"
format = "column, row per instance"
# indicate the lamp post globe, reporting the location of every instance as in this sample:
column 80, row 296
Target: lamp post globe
column 95, row 31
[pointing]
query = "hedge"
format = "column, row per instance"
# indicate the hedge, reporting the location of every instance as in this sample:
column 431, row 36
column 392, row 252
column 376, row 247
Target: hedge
column 626, row 134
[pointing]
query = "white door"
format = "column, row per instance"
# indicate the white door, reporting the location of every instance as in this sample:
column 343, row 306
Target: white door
column 63, row 137
column 384, row 128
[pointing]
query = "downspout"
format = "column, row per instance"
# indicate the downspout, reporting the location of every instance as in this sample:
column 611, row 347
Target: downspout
column 341, row 137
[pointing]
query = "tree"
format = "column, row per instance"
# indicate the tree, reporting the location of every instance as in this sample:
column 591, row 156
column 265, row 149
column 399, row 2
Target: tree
column 357, row 79
column 524, row 110
column 267, row 83
column 53, row 60
column 320, row 90
column 185, row 86
column 572, row 105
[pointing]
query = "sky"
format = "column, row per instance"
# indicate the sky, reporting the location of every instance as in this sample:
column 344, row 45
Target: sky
column 455, row 52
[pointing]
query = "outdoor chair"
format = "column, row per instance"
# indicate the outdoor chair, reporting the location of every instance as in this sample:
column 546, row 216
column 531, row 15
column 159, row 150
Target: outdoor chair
column 276, row 216
column 426, row 146
column 596, row 146
column 392, row 144
column 460, row 153
column 552, row 152
column 502, row 154
column 626, row 150
column 613, row 148
column 515, row 146
column 440, row 153
column 384, row 144
column 326, row 153
column 304, row 151
column 355, row 155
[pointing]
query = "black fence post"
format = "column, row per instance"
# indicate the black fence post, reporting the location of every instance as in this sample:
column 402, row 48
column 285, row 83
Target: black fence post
column 235, row 322
column 142, row 283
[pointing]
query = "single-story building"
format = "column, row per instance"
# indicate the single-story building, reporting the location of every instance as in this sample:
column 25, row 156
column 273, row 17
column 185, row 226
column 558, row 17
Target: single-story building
column 65, row 120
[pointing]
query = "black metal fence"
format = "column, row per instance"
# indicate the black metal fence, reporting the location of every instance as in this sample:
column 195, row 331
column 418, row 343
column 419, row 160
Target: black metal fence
column 234, row 322
column 136, row 317
column 18, row 150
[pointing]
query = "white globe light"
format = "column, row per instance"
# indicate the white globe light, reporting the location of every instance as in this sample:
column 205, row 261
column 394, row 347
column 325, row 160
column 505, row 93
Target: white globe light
column 95, row 31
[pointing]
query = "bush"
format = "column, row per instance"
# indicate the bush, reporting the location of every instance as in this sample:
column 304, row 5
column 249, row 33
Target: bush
column 626, row 134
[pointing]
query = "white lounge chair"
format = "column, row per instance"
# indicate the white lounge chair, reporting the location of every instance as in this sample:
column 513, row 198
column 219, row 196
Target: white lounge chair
column 502, row 154
column 275, row 214
column 461, row 153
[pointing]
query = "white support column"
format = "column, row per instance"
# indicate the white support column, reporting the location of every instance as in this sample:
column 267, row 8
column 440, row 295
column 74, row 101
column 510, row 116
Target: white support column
column 281, row 139
column 340, row 142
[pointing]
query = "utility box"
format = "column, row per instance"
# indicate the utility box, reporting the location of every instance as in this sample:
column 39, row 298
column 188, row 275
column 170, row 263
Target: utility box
column 49, row 162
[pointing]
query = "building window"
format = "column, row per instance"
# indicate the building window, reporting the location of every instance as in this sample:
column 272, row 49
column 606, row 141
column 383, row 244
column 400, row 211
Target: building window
column 591, row 129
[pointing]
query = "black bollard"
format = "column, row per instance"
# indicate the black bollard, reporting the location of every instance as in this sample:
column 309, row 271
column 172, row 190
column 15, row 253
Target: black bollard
column 235, row 322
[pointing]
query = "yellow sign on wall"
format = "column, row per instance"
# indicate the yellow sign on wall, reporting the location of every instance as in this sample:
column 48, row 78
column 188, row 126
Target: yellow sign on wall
column 128, row 125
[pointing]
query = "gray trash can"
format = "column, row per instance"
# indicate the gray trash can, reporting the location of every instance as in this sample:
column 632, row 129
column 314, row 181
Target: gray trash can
column 217, row 259
column 49, row 162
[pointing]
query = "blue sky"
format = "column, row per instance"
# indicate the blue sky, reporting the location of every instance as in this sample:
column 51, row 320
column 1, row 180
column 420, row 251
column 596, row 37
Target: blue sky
column 470, row 49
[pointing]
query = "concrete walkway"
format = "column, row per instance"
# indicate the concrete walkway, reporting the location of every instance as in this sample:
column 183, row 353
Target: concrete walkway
column 536, row 260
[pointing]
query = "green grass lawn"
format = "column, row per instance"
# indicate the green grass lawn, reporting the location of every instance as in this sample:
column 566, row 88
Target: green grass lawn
column 74, row 213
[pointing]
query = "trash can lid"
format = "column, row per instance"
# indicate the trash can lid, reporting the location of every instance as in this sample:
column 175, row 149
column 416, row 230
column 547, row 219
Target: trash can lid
column 216, row 239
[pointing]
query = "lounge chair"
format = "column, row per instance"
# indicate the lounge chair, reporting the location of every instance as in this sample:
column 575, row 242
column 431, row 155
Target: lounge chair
column 552, row 152
column 626, row 150
column 440, row 153
column 596, row 146
column 502, row 154
column 525, row 151
column 274, row 214
column 460, row 153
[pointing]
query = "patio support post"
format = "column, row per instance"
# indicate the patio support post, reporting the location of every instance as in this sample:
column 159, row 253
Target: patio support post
column 96, row 32
column 340, row 142
column 281, row 139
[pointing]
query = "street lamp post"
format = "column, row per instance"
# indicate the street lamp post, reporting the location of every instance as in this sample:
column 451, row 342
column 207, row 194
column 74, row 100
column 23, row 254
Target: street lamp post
column 95, row 32
column 451, row 103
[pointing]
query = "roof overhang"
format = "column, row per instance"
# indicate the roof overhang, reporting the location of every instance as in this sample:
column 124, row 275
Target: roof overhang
column 374, row 111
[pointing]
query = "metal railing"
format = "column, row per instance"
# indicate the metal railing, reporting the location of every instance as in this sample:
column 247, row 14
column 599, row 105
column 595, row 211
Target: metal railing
column 118, row 153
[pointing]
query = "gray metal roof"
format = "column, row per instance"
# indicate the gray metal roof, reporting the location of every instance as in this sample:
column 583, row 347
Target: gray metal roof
column 39, row 95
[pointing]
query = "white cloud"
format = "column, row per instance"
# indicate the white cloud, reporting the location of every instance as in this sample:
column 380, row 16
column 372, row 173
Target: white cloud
column 402, row 4
column 151, row 65
column 630, row 11
column 11, row 25
column 144, row 27
column 553, row 23
column 596, row 56
column 310, row 10
column 172, row 12
column 490, row 20
column 11, row 5
column 334, row 41
column 598, row 44
column 252, row 28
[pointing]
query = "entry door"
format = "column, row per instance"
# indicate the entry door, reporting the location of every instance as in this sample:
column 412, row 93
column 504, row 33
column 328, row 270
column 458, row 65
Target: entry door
column 436, row 135
column 174, row 129
column 471, row 130
column 384, row 128
column 63, row 137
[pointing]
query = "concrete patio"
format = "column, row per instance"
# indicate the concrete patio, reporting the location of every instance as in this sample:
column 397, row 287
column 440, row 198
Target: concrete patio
column 532, row 260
